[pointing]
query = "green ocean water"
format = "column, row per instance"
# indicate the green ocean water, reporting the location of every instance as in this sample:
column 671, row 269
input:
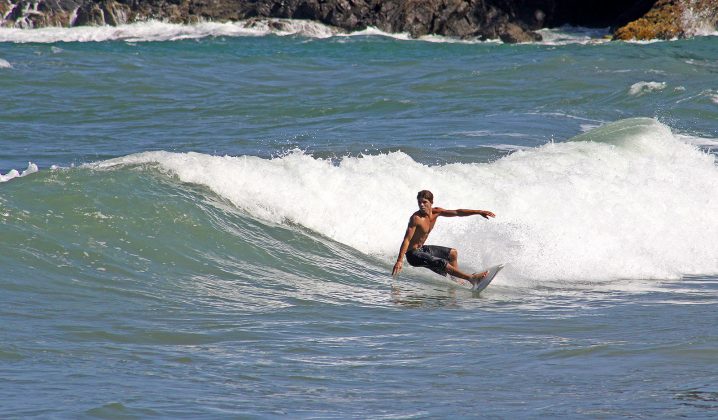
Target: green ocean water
column 213, row 220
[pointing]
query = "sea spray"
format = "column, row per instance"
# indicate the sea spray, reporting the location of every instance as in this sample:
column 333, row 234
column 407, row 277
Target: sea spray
column 626, row 200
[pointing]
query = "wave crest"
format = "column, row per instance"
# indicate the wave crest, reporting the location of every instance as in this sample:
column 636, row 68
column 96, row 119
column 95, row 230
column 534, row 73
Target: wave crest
column 14, row 173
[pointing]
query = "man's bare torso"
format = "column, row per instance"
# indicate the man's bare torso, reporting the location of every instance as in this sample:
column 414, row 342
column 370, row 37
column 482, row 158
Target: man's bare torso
column 424, row 224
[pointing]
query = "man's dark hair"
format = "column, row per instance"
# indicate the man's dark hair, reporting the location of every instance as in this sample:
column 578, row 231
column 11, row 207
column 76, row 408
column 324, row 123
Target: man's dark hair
column 425, row 194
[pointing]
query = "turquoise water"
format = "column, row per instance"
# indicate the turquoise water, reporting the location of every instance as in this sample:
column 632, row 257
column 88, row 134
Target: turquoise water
column 212, row 224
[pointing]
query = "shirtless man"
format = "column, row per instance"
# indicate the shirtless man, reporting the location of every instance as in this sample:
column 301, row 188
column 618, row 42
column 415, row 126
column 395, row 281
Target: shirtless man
column 439, row 259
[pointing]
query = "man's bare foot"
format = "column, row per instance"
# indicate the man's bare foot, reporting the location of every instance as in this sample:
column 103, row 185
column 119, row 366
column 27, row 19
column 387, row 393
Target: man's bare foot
column 477, row 277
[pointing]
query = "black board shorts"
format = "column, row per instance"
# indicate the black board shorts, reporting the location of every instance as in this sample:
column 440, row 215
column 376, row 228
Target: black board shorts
column 432, row 257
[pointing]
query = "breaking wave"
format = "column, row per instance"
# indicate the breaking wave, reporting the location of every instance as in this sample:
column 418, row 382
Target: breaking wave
column 629, row 199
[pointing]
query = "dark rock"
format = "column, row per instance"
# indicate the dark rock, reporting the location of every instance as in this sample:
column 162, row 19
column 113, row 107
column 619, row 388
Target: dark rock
column 512, row 34
column 115, row 13
column 90, row 14
column 35, row 14
column 669, row 19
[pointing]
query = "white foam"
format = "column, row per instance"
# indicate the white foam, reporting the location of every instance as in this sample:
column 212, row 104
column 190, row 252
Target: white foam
column 475, row 133
column 13, row 173
column 373, row 31
column 648, row 41
column 568, row 116
column 627, row 200
column 588, row 127
column 703, row 142
column 574, row 35
column 641, row 88
column 4, row 64
column 160, row 31
column 709, row 93
column 489, row 133
column 506, row 147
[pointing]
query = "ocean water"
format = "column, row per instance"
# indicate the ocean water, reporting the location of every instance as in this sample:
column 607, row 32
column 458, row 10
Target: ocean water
column 201, row 221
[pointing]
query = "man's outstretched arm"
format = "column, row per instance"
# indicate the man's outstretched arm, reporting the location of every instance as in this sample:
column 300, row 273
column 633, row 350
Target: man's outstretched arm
column 404, row 247
column 463, row 212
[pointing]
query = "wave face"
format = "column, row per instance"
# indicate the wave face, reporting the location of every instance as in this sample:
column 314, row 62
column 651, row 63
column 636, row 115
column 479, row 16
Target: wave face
column 626, row 200
column 136, row 235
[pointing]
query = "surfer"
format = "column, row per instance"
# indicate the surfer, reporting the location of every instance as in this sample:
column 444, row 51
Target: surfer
column 439, row 259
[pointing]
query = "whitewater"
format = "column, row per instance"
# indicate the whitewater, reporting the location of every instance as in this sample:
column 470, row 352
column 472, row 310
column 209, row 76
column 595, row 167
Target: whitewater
column 201, row 221
column 627, row 200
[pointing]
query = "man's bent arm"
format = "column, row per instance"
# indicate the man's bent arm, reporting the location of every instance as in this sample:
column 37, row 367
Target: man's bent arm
column 404, row 247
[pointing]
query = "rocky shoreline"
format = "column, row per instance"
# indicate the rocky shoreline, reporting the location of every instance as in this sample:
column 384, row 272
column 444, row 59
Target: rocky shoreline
column 669, row 19
column 511, row 21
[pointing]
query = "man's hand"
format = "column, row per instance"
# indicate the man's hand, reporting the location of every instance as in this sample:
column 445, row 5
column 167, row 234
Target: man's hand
column 397, row 268
column 486, row 214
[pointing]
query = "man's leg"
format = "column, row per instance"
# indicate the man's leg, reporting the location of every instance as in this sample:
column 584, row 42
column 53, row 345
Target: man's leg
column 454, row 258
column 453, row 268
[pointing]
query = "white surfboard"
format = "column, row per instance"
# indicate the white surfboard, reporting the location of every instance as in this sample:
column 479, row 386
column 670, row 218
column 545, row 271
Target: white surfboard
column 493, row 271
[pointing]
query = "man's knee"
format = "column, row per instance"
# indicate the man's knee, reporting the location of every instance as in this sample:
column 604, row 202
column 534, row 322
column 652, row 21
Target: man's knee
column 453, row 254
